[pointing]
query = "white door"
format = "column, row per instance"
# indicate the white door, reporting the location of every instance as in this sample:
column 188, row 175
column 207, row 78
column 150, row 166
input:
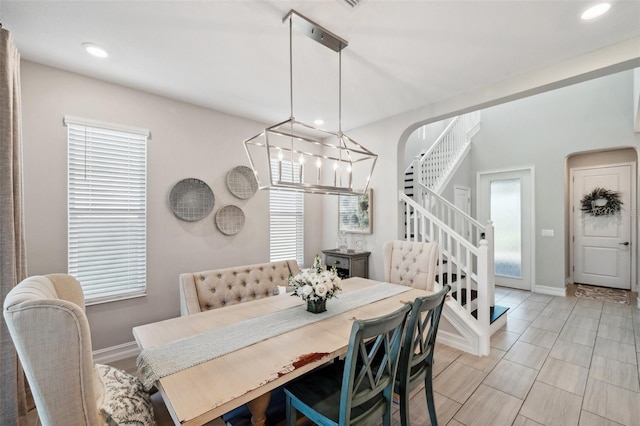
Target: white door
column 505, row 198
column 602, row 244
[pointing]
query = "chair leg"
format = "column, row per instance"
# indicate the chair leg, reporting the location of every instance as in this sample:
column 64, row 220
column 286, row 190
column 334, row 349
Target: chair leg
column 428, row 389
column 386, row 417
column 291, row 412
column 403, row 398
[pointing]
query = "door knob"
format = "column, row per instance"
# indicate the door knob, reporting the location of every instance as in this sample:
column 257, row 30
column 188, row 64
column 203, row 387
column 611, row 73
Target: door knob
column 626, row 243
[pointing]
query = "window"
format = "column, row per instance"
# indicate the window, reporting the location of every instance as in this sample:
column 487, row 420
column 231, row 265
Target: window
column 286, row 225
column 107, row 191
column 506, row 215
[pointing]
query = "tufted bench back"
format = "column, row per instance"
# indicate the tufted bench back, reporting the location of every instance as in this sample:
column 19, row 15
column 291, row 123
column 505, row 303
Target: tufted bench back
column 202, row 291
column 411, row 263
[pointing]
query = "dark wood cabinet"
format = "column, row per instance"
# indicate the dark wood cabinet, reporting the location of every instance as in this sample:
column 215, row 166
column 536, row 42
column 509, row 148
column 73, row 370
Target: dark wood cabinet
column 349, row 264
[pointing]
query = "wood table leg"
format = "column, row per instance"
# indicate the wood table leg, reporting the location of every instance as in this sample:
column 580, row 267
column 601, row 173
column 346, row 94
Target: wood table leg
column 258, row 409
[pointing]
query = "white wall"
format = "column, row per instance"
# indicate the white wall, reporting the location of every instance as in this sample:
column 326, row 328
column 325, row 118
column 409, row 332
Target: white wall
column 541, row 131
column 463, row 176
column 187, row 141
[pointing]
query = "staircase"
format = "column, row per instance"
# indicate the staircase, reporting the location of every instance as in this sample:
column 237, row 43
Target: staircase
column 435, row 165
column 466, row 246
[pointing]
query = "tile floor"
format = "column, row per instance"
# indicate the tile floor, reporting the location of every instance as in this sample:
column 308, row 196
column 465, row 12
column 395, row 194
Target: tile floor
column 562, row 361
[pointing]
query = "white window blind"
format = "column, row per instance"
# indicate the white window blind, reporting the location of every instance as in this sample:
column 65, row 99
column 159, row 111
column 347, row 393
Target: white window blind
column 107, row 187
column 286, row 225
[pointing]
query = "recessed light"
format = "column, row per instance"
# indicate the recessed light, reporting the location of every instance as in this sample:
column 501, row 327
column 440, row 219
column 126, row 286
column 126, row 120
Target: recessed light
column 318, row 121
column 595, row 11
column 95, row 50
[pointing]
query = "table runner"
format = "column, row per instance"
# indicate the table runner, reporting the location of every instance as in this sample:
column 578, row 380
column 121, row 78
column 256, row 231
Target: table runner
column 172, row 357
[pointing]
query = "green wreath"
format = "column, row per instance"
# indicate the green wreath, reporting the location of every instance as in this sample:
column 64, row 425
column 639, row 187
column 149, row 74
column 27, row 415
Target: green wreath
column 601, row 202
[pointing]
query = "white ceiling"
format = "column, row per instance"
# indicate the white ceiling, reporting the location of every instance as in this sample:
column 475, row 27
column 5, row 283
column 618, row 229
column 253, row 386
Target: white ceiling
column 233, row 55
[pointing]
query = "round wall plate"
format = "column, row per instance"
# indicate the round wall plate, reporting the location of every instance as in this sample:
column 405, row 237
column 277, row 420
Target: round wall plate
column 191, row 199
column 242, row 182
column 230, row 219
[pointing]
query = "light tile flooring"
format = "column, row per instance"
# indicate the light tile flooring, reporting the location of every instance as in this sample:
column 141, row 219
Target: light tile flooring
column 562, row 361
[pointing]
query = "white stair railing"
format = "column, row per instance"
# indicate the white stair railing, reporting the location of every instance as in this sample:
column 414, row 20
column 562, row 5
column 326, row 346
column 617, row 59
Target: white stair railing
column 433, row 166
column 464, row 225
column 469, row 262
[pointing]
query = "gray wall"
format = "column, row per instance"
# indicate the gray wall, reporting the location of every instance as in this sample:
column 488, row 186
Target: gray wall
column 463, row 176
column 187, row 141
column 541, row 131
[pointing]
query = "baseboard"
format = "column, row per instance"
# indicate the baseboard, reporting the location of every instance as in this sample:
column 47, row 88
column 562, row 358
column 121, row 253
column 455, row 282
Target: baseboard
column 456, row 342
column 116, row 353
column 552, row 291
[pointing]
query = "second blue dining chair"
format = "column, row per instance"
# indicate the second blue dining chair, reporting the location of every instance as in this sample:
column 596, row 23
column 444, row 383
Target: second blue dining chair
column 416, row 357
column 360, row 389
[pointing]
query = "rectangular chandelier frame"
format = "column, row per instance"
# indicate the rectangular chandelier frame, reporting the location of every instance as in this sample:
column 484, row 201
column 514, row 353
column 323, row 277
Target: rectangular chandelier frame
column 294, row 156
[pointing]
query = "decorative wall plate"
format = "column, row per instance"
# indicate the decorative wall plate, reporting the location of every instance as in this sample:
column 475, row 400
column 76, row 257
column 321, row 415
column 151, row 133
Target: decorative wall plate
column 242, row 182
column 230, row 219
column 191, row 199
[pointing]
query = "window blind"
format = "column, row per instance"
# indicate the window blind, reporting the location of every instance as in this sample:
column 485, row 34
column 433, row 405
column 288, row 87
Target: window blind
column 286, row 224
column 107, row 187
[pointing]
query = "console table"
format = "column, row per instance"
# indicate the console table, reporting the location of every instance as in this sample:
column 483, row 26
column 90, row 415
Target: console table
column 348, row 264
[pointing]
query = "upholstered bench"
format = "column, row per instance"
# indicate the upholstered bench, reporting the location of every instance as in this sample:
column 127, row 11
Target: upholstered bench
column 202, row 291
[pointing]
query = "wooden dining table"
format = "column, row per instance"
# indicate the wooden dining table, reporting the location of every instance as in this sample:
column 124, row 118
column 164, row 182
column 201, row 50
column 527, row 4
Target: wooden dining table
column 201, row 393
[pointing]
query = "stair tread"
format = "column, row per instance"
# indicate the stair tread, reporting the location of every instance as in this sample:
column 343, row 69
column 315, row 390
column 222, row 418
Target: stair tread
column 495, row 313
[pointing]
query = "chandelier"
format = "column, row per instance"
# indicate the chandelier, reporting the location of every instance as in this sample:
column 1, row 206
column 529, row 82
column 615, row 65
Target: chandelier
column 294, row 156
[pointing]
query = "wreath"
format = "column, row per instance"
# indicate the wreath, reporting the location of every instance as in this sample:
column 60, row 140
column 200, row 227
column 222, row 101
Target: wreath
column 601, row 202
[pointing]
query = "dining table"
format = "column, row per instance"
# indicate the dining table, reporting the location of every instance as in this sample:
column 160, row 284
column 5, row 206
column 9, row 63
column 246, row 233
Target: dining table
column 247, row 371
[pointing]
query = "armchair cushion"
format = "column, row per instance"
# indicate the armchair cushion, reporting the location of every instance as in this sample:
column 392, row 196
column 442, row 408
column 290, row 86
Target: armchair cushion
column 122, row 399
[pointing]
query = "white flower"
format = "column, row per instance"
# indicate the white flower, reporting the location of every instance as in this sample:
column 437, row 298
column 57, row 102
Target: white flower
column 315, row 283
column 321, row 290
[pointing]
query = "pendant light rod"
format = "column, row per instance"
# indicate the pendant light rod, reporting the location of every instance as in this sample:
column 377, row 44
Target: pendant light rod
column 291, row 66
column 340, row 92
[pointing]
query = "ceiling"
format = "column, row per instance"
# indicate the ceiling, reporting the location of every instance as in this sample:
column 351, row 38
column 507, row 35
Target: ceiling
column 233, row 56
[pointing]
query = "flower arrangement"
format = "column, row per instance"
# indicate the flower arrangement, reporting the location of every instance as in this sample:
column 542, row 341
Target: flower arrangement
column 316, row 283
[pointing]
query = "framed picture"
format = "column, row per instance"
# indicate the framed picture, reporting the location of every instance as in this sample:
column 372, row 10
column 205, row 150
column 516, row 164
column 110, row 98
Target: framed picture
column 354, row 213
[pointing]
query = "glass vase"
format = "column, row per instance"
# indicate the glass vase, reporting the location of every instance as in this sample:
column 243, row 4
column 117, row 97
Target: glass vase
column 317, row 306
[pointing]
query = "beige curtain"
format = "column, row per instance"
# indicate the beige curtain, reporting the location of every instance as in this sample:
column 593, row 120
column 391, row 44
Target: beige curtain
column 12, row 250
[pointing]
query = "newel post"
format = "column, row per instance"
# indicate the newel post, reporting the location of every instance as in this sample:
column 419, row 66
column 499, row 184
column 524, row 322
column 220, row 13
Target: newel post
column 491, row 273
column 483, row 297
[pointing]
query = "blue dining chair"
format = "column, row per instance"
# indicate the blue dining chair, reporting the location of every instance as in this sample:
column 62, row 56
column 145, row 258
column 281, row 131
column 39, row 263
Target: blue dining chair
column 360, row 389
column 416, row 356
